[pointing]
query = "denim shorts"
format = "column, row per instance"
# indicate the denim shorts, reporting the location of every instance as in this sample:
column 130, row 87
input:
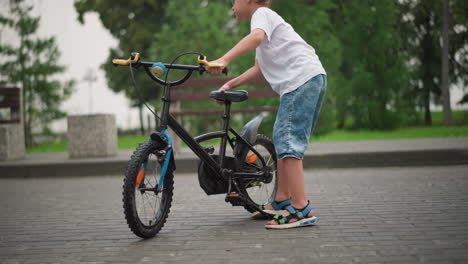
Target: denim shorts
column 296, row 118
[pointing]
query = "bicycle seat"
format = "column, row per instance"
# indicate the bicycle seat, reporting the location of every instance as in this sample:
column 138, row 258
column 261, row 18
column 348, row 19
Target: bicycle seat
column 230, row 96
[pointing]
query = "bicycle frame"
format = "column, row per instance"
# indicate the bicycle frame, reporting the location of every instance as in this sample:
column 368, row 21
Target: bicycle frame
column 167, row 120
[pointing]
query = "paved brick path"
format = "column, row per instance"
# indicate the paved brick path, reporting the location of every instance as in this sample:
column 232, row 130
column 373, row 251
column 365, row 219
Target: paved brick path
column 384, row 215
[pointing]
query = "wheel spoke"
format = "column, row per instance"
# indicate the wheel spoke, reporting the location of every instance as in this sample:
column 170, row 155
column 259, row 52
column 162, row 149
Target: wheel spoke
column 151, row 205
column 155, row 212
column 143, row 206
column 149, row 199
column 259, row 191
column 145, row 203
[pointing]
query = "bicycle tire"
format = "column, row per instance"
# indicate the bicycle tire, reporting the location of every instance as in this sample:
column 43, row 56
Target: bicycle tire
column 131, row 192
column 268, row 145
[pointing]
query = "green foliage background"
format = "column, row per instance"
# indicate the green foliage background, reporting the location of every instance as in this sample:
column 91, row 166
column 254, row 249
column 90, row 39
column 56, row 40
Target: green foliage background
column 382, row 57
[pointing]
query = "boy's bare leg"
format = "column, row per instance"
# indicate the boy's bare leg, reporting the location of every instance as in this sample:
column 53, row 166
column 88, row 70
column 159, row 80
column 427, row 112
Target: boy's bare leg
column 282, row 193
column 295, row 180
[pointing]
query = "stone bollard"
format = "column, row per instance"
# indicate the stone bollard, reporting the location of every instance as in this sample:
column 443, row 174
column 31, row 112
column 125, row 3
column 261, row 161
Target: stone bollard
column 11, row 142
column 91, row 136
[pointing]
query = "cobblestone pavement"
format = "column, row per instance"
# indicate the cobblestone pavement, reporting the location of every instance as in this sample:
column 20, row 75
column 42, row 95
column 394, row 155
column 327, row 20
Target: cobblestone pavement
column 385, row 215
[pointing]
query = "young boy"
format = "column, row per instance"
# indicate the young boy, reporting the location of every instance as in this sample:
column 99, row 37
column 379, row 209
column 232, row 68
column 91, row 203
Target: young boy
column 294, row 71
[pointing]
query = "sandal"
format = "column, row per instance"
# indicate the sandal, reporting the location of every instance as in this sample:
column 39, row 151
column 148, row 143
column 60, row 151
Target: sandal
column 283, row 222
column 278, row 208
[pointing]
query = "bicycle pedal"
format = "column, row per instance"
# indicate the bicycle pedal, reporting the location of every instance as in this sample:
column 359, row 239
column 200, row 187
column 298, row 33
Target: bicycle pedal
column 235, row 199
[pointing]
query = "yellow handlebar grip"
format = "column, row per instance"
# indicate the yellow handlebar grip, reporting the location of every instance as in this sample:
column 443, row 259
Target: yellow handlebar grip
column 126, row 62
column 120, row 62
column 206, row 63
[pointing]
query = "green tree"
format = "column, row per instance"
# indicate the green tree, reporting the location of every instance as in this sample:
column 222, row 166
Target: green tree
column 31, row 64
column 373, row 64
column 422, row 24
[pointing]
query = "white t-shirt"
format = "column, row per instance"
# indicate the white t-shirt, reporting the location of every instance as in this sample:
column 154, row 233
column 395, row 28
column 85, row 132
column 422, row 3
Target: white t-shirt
column 285, row 59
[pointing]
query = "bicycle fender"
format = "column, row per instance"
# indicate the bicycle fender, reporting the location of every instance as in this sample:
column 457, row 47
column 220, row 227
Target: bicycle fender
column 249, row 134
column 249, row 131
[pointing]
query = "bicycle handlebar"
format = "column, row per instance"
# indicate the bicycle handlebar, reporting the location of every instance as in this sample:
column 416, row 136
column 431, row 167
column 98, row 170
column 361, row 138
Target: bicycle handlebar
column 135, row 62
column 126, row 62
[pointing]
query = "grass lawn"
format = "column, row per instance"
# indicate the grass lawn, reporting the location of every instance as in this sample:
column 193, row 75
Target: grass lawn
column 459, row 118
column 131, row 142
column 402, row 133
column 124, row 142
column 60, row 146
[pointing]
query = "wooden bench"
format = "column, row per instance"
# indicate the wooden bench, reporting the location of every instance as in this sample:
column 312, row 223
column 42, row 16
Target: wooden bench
column 11, row 128
column 180, row 96
column 10, row 105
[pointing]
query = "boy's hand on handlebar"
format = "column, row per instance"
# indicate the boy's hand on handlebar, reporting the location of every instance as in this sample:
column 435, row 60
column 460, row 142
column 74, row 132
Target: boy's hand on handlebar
column 216, row 70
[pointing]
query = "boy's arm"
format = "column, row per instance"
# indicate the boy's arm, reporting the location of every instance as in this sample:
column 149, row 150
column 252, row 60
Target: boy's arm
column 252, row 74
column 248, row 43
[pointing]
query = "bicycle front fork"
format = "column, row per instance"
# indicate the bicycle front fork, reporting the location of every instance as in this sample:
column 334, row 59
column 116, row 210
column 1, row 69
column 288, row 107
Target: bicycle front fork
column 164, row 155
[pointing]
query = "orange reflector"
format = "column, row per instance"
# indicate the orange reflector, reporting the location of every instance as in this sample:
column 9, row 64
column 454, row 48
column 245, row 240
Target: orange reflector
column 233, row 194
column 140, row 175
column 252, row 158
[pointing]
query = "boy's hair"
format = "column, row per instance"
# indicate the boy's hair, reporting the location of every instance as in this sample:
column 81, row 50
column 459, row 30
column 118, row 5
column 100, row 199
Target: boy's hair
column 263, row 2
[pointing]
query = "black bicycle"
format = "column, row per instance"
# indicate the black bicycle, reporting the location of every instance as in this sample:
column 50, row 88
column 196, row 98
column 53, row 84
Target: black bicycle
column 245, row 172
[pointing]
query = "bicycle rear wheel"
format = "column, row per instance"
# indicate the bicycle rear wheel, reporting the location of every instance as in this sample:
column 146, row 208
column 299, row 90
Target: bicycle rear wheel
column 260, row 191
column 146, row 203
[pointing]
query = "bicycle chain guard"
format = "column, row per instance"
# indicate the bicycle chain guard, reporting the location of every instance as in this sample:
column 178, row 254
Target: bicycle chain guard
column 209, row 180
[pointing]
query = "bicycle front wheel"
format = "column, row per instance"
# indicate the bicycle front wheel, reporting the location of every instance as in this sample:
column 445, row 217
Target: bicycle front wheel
column 146, row 198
